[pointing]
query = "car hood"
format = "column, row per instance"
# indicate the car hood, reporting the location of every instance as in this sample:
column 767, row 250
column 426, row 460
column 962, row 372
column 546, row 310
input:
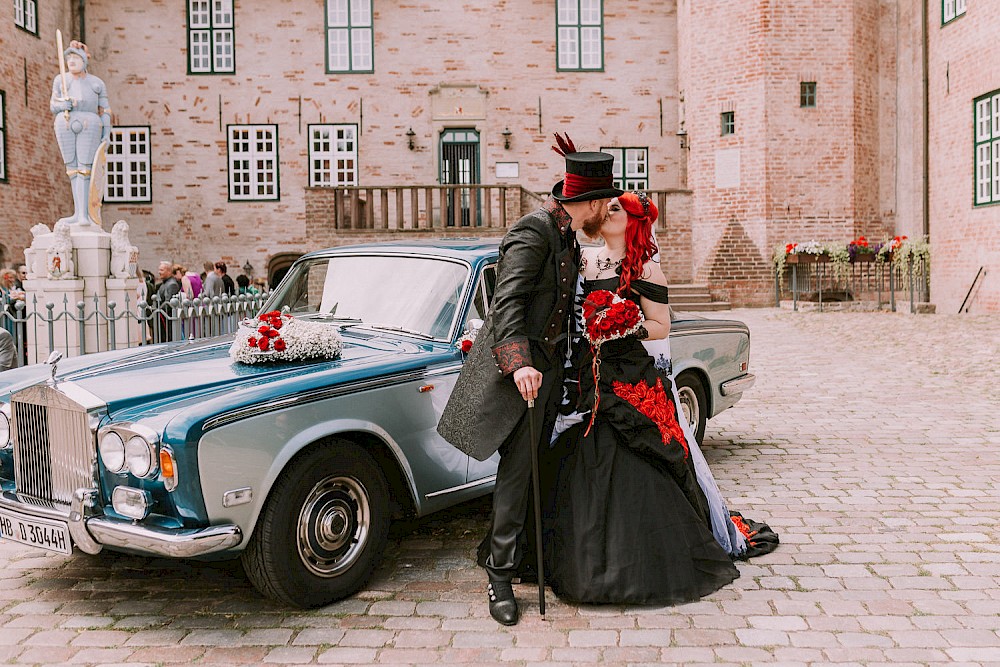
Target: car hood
column 156, row 379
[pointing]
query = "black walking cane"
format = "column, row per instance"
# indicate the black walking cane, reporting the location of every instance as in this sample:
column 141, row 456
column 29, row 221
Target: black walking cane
column 535, row 487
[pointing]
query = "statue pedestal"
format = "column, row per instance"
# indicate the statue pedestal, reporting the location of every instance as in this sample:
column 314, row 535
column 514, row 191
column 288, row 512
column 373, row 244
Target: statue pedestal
column 72, row 266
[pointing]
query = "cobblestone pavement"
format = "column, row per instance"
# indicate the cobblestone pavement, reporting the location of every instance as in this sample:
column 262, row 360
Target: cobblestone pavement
column 871, row 443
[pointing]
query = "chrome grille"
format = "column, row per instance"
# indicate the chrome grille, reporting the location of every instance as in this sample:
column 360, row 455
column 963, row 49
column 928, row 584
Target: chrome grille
column 54, row 450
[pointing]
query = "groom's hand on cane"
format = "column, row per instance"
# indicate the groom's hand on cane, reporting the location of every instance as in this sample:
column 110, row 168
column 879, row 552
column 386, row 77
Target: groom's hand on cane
column 528, row 381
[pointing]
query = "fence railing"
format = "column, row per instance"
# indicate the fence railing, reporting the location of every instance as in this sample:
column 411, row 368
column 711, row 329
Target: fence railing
column 422, row 207
column 869, row 283
column 93, row 325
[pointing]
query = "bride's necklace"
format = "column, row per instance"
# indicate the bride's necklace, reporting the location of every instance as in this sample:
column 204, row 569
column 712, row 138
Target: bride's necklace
column 607, row 264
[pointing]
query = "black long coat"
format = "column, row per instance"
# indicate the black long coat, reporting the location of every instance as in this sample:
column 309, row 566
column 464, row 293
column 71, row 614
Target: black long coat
column 526, row 326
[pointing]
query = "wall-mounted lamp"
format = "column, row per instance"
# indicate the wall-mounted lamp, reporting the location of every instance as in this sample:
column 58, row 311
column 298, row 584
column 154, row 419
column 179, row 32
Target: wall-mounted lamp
column 248, row 269
column 506, row 137
column 683, row 136
column 409, row 137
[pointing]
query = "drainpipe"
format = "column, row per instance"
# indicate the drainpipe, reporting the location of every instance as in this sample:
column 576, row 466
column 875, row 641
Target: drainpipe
column 81, row 10
column 926, row 120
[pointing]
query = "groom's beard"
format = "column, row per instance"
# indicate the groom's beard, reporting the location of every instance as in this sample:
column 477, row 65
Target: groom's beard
column 592, row 225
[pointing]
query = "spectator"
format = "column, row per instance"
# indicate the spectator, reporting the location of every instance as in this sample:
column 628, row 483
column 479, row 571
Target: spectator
column 244, row 285
column 168, row 288
column 228, row 285
column 212, row 283
column 8, row 351
column 22, row 275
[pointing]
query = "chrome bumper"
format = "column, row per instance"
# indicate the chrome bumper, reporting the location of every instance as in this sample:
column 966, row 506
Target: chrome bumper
column 92, row 534
column 738, row 385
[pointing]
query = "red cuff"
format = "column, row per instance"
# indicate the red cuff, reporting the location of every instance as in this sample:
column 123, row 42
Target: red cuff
column 511, row 355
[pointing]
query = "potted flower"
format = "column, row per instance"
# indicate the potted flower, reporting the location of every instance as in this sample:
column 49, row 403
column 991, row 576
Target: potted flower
column 859, row 250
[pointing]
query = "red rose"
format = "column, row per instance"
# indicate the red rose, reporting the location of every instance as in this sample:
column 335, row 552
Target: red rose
column 263, row 329
column 276, row 323
column 279, row 345
column 264, row 343
column 272, row 333
column 252, row 342
column 466, row 345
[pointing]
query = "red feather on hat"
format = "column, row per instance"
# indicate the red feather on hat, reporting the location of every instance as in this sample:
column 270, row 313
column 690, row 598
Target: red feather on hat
column 565, row 145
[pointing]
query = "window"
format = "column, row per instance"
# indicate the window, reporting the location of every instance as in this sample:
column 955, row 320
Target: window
column 987, row 148
column 211, row 48
column 807, row 94
column 128, row 165
column 253, row 162
column 349, row 41
column 580, row 35
column 333, row 155
column 728, row 123
column 26, row 15
column 951, row 10
column 631, row 167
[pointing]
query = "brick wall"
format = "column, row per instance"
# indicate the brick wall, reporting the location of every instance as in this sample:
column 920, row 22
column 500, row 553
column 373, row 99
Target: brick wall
column 37, row 188
column 964, row 237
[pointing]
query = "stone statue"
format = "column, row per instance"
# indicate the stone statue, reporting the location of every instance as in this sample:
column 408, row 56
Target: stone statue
column 124, row 255
column 82, row 123
column 60, row 254
column 34, row 259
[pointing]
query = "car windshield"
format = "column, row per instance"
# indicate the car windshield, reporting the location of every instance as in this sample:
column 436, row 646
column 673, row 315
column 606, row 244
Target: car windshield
column 417, row 295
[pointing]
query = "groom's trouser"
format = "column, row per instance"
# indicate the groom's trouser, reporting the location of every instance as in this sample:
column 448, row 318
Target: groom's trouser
column 512, row 490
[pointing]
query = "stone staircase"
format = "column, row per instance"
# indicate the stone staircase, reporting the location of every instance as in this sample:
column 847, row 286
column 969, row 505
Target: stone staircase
column 693, row 298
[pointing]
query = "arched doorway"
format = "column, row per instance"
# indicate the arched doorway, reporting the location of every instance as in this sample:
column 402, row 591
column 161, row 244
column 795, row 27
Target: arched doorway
column 278, row 266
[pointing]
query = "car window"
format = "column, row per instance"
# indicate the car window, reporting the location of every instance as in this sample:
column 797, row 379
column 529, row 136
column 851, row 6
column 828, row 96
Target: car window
column 484, row 294
column 418, row 294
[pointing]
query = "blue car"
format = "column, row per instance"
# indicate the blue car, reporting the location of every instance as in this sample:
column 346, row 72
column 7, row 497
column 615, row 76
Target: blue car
column 296, row 467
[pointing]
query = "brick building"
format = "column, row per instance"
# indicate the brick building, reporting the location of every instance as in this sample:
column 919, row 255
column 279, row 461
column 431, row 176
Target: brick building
column 758, row 123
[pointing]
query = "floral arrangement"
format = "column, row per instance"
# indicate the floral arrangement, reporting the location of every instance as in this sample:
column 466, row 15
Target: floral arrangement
column 275, row 336
column 897, row 249
column 609, row 316
column 860, row 246
column 466, row 341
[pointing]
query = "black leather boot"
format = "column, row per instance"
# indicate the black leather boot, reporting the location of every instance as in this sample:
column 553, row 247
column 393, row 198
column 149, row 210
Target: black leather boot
column 503, row 605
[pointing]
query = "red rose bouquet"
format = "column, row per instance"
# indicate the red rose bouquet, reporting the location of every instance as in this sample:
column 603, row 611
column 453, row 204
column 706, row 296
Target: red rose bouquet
column 608, row 316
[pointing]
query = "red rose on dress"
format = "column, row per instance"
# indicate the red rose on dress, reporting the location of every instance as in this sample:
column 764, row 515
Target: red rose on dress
column 279, row 345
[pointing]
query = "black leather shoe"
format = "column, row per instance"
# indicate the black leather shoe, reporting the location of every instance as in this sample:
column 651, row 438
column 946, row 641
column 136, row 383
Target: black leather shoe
column 503, row 606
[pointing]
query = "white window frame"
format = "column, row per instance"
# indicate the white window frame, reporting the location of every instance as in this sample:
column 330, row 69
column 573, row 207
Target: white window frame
column 3, row 137
column 333, row 155
column 129, row 167
column 631, row 167
column 253, row 162
column 951, row 10
column 26, row 15
column 580, row 35
column 211, row 37
column 986, row 149
column 350, row 38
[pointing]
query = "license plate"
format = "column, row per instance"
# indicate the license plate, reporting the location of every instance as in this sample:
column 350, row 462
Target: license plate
column 43, row 533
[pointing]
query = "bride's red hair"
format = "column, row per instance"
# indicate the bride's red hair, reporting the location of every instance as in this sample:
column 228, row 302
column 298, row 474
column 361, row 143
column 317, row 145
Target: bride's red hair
column 640, row 245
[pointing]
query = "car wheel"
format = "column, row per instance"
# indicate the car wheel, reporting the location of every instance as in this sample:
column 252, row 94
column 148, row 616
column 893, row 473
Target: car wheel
column 323, row 528
column 691, row 392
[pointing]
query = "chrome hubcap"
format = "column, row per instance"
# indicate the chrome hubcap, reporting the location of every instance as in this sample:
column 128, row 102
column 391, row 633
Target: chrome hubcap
column 689, row 406
column 333, row 525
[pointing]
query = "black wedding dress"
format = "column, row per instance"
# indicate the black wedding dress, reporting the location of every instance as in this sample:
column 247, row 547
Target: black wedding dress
column 625, row 521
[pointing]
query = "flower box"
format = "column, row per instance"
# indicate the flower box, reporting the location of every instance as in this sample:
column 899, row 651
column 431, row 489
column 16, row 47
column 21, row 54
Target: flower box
column 863, row 258
column 806, row 258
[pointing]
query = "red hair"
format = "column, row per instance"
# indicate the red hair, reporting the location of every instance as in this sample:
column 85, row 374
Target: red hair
column 639, row 243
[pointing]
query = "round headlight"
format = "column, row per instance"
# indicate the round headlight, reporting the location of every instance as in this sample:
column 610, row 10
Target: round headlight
column 113, row 452
column 4, row 430
column 140, row 457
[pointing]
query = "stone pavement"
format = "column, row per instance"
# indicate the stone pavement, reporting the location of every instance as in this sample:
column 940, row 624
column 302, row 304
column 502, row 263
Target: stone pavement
column 871, row 443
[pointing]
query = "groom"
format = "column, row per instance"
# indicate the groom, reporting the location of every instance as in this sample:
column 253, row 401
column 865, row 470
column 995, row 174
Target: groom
column 519, row 354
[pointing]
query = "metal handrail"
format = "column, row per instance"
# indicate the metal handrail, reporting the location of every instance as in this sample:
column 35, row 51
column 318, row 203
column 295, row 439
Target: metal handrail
column 981, row 271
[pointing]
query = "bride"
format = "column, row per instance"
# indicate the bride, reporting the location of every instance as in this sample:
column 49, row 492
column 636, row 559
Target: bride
column 634, row 515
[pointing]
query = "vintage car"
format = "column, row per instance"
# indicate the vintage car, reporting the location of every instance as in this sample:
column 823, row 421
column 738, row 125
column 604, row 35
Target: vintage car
column 297, row 467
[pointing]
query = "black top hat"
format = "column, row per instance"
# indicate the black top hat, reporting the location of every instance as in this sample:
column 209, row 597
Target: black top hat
column 589, row 175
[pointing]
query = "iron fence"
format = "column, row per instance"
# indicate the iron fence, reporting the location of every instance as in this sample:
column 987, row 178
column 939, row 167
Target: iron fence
column 871, row 284
column 98, row 325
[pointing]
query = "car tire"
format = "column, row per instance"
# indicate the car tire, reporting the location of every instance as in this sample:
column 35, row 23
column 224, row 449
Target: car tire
column 322, row 529
column 694, row 405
